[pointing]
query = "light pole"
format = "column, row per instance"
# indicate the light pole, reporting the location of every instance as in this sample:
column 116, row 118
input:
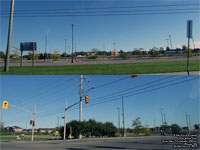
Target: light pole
column 65, row 49
column 72, row 43
column 170, row 38
column 167, row 42
column 118, row 118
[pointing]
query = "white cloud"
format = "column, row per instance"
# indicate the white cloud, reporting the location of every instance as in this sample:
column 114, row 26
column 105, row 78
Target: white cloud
column 196, row 44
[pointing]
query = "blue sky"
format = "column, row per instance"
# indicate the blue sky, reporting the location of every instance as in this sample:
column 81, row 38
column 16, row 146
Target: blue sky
column 144, row 97
column 128, row 31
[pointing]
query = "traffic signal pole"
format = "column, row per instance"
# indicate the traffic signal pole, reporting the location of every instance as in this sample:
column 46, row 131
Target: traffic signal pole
column 33, row 113
column 124, row 133
column 81, row 95
column 65, row 121
column 33, row 122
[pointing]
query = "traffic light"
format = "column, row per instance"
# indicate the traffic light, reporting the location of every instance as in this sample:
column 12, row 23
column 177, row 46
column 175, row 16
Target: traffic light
column 5, row 105
column 86, row 99
column 34, row 122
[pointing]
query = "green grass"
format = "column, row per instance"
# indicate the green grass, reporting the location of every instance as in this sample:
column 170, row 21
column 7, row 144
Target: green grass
column 106, row 69
column 26, row 139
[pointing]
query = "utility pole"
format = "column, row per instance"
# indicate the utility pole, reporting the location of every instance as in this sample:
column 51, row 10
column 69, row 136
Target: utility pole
column 104, row 48
column 65, row 121
column 7, row 60
column 170, row 38
column 114, row 47
column 1, row 118
column 45, row 54
column 118, row 118
column 81, row 92
column 154, row 122
column 165, row 119
column 75, row 50
column 65, row 49
column 162, row 115
column 187, row 122
column 32, row 122
column 72, row 43
column 58, row 122
column 124, row 134
column 167, row 42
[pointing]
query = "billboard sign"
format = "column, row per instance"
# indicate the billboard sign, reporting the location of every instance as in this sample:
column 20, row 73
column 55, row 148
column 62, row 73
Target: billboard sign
column 28, row 46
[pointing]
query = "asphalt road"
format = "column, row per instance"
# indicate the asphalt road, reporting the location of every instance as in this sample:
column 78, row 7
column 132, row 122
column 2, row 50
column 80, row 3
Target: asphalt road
column 136, row 143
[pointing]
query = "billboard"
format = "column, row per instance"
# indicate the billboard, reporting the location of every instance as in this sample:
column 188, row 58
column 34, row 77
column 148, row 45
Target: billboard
column 28, row 46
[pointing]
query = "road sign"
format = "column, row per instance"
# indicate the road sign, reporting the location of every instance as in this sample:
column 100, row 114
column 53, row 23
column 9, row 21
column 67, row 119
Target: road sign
column 5, row 105
column 28, row 46
column 189, row 29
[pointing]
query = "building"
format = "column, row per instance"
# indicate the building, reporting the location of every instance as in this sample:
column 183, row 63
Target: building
column 45, row 130
column 14, row 129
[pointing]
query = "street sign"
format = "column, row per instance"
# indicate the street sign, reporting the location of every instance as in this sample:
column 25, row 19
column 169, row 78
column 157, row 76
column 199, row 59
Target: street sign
column 5, row 105
column 28, row 46
column 189, row 28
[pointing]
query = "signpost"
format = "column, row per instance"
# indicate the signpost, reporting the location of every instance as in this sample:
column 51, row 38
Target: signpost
column 28, row 46
column 189, row 35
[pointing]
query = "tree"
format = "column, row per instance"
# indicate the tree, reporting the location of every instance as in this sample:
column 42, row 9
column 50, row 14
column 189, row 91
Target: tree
column 2, row 127
column 175, row 129
column 197, row 126
column 2, row 55
column 165, row 128
column 89, row 128
column 15, row 56
column 55, row 55
column 123, row 56
column 185, row 49
column 30, row 56
column 137, row 125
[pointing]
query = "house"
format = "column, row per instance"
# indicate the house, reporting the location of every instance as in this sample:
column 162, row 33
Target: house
column 44, row 130
column 15, row 129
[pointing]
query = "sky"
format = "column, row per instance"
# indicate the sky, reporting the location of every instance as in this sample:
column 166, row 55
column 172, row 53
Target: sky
column 144, row 96
column 127, row 31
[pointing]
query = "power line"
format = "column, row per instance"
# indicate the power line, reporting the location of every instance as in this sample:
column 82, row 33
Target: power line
column 43, row 92
column 125, row 90
column 96, row 8
column 115, row 99
column 88, row 12
column 96, row 15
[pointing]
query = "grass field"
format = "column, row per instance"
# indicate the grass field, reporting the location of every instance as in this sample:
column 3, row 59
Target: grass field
column 106, row 69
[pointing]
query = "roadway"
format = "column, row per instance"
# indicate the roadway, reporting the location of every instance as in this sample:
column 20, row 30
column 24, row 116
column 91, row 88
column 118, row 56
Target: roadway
column 129, row 143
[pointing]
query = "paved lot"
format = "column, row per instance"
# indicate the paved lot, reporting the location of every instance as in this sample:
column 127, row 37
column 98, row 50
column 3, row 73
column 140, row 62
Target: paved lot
column 137, row 143
column 84, row 61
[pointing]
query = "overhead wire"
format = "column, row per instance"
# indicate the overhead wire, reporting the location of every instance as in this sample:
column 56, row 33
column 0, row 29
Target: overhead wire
column 122, row 7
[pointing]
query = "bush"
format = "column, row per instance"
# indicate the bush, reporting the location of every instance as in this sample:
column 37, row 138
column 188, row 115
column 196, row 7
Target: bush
column 147, row 132
column 123, row 56
column 93, row 57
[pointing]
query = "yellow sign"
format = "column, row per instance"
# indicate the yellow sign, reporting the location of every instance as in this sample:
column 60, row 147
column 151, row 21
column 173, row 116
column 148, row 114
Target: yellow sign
column 5, row 105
